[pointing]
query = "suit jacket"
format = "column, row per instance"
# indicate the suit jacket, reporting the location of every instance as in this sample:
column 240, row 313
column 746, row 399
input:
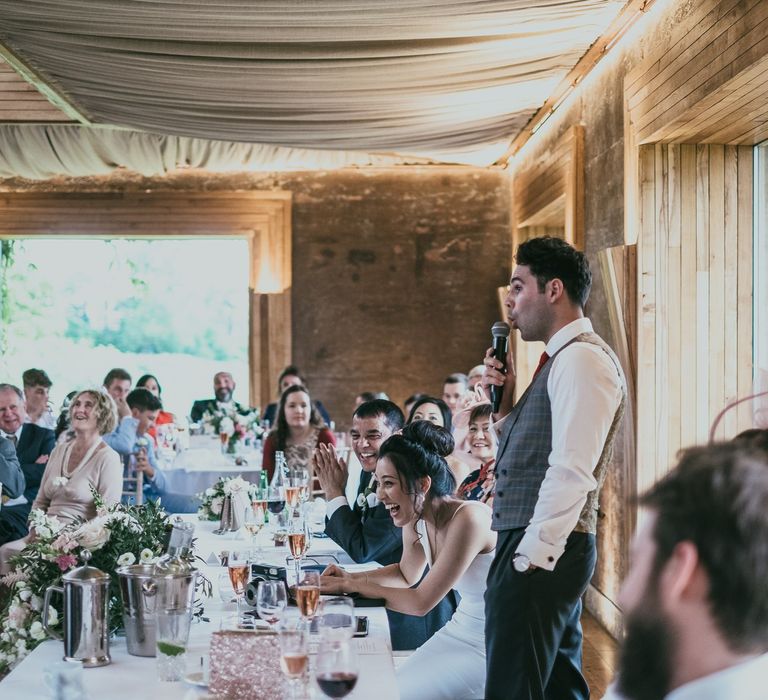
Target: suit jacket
column 200, row 407
column 11, row 476
column 372, row 536
column 33, row 443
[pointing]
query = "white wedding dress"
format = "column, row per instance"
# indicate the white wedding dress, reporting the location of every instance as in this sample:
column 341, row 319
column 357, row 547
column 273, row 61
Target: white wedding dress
column 451, row 664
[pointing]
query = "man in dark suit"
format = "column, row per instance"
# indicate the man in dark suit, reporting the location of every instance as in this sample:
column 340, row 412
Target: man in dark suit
column 33, row 446
column 365, row 530
column 223, row 388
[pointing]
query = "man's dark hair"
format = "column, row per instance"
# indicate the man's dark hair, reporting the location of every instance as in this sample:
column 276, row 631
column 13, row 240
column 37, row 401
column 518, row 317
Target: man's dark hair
column 549, row 258
column 116, row 373
column 457, row 378
column 366, row 396
column 389, row 411
column 717, row 498
column 144, row 400
column 290, row 371
column 36, row 377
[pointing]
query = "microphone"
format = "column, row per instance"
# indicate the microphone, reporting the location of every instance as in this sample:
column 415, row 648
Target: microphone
column 500, row 333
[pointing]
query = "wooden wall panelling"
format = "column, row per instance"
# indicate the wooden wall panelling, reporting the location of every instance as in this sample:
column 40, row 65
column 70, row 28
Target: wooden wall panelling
column 702, row 89
column 745, row 281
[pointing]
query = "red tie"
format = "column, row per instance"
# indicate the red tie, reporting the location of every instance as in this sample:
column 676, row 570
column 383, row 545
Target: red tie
column 542, row 361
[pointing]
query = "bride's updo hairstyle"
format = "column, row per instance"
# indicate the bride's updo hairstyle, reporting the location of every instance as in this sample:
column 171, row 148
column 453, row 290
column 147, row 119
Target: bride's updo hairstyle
column 419, row 451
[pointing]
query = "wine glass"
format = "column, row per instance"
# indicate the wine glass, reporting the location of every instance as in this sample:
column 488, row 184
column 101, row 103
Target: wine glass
column 238, row 574
column 336, row 618
column 294, row 652
column 336, row 669
column 271, row 601
column 293, row 487
column 299, row 539
column 224, row 438
column 308, row 593
column 253, row 521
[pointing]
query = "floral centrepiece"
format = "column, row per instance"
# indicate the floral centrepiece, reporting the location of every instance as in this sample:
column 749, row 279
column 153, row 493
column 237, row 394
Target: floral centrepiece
column 212, row 499
column 118, row 535
column 236, row 426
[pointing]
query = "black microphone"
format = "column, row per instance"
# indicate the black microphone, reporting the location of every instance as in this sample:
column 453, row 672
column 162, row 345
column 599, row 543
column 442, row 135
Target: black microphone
column 500, row 333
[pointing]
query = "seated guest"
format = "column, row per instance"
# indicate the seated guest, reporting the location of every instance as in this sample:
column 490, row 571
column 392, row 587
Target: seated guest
column 695, row 599
column 223, row 389
column 298, row 431
column 37, row 385
column 291, row 376
column 436, row 411
column 11, row 476
column 117, row 384
column 410, row 401
column 451, row 537
column 33, row 445
column 150, row 383
column 76, row 466
column 370, row 396
column 364, row 530
column 474, row 376
column 454, row 388
column 481, row 442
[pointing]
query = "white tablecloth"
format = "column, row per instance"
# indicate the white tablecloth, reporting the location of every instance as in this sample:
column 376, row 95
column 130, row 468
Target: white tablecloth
column 133, row 677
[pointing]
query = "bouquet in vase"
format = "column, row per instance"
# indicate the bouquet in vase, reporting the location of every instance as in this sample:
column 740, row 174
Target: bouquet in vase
column 212, row 499
column 233, row 426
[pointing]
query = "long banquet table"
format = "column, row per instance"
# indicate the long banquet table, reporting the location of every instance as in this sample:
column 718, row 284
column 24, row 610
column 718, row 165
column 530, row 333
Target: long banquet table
column 135, row 677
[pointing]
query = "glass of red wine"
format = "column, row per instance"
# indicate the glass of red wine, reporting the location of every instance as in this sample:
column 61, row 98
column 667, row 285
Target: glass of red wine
column 336, row 670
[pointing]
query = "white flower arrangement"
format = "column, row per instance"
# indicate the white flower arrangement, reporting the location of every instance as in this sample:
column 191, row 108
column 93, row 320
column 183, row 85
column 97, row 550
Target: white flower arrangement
column 212, row 499
column 115, row 537
column 237, row 426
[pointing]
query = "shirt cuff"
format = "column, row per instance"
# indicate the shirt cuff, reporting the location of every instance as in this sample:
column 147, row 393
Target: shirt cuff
column 539, row 553
column 334, row 504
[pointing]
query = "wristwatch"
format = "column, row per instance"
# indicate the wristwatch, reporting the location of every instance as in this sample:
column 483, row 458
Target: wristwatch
column 522, row 564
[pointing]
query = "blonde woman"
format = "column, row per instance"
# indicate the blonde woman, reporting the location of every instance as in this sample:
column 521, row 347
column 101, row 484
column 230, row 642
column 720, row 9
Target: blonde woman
column 75, row 466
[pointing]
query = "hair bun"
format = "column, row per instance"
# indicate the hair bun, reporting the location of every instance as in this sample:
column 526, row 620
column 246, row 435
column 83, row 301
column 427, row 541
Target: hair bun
column 430, row 436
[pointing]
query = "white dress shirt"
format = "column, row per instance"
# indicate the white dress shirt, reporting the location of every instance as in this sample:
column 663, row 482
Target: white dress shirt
column 584, row 391
column 745, row 681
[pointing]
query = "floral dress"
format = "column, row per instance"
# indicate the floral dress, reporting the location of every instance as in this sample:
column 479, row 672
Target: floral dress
column 480, row 484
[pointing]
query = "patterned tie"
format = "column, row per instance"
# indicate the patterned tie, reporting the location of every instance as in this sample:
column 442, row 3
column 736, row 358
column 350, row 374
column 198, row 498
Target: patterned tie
column 542, row 361
column 13, row 440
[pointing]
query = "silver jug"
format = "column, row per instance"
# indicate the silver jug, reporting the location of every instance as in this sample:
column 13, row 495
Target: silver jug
column 86, row 604
column 231, row 516
column 138, row 612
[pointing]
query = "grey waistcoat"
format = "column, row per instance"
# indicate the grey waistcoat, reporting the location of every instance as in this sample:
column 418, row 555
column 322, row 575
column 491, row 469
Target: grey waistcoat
column 526, row 443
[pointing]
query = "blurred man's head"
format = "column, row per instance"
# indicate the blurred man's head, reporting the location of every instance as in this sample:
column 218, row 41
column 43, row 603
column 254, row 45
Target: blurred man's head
column 372, row 423
column 13, row 411
column 144, row 407
column 37, row 384
column 117, row 383
column 475, row 375
column 695, row 598
column 454, row 387
column 223, row 386
column 290, row 376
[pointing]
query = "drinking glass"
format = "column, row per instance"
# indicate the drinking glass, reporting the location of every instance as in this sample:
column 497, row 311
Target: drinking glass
column 172, row 635
column 299, row 539
column 293, row 487
column 308, row 593
column 336, row 618
column 224, row 438
column 271, row 601
column 238, row 574
column 336, row 670
column 294, row 653
column 253, row 521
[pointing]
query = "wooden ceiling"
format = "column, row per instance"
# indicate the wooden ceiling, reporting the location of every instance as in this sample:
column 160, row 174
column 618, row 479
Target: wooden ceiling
column 22, row 103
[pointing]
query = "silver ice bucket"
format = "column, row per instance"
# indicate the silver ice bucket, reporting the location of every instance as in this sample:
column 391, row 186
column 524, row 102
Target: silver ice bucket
column 138, row 610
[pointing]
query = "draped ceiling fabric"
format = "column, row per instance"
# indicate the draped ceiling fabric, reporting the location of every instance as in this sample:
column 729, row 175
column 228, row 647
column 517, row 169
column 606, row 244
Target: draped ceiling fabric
column 450, row 80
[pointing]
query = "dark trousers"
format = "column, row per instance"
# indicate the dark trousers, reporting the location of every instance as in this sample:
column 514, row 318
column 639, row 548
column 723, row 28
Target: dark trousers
column 13, row 522
column 532, row 623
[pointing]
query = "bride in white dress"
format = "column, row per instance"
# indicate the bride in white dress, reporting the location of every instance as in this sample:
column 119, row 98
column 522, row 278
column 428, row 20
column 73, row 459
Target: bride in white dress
column 452, row 537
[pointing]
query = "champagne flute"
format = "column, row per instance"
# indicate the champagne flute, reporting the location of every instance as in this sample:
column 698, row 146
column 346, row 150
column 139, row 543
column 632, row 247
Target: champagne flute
column 294, row 653
column 299, row 539
column 308, row 593
column 293, row 490
column 238, row 575
column 337, row 669
column 253, row 521
column 271, row 601
column 224, row 438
